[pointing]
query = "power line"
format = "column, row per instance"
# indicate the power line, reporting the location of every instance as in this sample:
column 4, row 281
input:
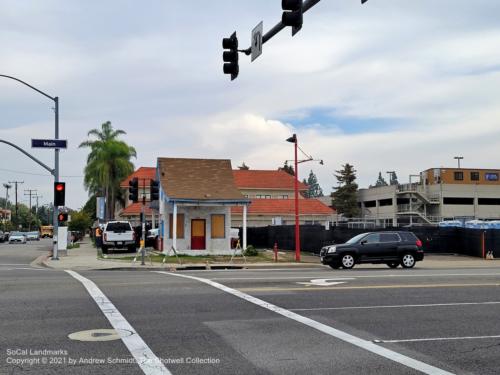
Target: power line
column 35, row 174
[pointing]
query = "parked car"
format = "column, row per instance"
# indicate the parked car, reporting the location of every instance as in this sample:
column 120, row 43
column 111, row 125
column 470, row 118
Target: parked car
column 17, row 237
column 6, row 236
column 33, row 236
column 2, row 236
column 151, row 237
column 119, row 235
column 391, row 248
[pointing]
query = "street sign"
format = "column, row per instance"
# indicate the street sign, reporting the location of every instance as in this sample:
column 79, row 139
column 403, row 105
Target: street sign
column 257, row 33
column 49, row 143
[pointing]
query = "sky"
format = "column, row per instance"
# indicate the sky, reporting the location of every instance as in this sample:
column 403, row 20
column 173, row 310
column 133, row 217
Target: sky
column 386, row 86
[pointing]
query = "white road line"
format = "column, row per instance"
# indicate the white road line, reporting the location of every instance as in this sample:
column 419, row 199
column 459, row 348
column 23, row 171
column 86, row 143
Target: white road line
column 149, row 363
column 397, row 306
column 13, row 264
column 440, row 339
column 364, row 344
column 355, row 275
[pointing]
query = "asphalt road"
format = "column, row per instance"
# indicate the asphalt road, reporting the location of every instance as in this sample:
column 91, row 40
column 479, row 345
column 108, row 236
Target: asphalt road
column 302, row 321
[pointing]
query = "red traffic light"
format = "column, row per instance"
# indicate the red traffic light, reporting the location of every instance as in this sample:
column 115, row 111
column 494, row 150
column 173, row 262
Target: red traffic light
column 60, row 187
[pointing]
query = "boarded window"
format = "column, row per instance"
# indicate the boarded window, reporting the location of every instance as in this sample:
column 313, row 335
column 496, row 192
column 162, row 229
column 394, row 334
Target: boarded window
column 474, row 176
column 218, row 226
column 459, row 176
column 180, row 225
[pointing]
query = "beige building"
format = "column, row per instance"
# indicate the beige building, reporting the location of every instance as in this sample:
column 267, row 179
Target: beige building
column 435, row 194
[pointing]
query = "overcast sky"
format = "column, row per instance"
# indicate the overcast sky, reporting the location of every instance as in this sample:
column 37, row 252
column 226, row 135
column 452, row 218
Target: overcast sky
column 390, row 85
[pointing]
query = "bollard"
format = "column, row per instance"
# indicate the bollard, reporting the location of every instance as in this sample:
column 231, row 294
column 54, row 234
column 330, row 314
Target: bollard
column 276, row 252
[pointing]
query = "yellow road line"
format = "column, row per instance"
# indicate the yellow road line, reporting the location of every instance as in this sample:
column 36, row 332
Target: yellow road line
column 315, row 289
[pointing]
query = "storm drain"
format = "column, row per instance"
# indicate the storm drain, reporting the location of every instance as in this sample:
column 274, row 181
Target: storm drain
column 99, row 335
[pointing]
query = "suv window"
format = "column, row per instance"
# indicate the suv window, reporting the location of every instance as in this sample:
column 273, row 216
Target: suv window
column 372, row 238
column 408, row 236
column 118, row 227
column 389, row 237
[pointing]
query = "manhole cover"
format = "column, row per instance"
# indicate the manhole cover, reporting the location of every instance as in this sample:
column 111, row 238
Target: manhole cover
column 99, row 335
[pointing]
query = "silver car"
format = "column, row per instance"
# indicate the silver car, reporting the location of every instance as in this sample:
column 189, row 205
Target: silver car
column 17, row 237
column 33, row 236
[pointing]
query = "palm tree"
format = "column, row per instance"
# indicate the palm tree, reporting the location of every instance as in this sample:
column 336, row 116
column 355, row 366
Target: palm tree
column 108, row 163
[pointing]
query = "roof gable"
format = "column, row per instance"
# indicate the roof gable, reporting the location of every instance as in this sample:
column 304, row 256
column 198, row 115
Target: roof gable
column 198, row 179
column 144, row 174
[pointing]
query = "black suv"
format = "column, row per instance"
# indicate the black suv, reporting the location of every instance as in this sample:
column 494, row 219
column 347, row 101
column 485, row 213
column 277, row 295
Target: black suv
column 391, row 248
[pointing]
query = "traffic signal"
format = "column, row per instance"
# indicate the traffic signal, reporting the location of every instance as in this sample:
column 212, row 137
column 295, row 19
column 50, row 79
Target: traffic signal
column 292, row 14
column 62, row 217
column 155, row 190
column 59, row 193
column 230, row 56
column 133, row 188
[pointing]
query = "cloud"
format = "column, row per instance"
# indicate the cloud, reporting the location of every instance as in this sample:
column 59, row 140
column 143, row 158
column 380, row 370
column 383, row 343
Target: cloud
column 430, row 68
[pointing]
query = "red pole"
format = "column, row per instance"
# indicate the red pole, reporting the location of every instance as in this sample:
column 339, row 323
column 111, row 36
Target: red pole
column 297, row 228
column 276, row 252
column 483, row 244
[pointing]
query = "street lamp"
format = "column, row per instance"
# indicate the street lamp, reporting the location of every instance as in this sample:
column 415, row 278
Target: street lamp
column 55, row 99
column 458, row 158
column 293, row 139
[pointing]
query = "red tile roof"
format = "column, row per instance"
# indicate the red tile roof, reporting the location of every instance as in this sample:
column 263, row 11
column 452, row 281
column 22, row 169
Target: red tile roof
column 285, row 207
column 255, row 179
column 135, row 209
column 147, row 173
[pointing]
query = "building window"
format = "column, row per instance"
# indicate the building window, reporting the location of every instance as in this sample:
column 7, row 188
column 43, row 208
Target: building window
column 459, row 176
column 284, row 196
column 459, row 201
column 246, row 195
column 180, row 225
column 489, row 201
column 385, row 202
column 474, row 176
column 369, row 204
column 267, row 197
column 259, row 196
column 491, row 176
column 218, row 226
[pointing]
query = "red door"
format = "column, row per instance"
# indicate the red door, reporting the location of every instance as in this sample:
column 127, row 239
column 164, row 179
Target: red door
column 198, row 234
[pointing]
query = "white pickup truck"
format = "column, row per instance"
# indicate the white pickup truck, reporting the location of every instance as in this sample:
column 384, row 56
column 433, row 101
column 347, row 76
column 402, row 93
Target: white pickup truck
column 119, row 235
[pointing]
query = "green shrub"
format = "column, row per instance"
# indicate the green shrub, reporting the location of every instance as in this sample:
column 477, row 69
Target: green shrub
column 250, row 251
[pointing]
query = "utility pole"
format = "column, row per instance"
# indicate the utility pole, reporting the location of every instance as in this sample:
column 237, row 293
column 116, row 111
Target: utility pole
column 36, row 211
column 15, row 184
column 7, row 187
column 30, row 193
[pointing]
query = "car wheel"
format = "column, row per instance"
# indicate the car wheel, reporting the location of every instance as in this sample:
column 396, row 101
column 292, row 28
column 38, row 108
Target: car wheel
column 393, row 264
column 408, row 261
column 335, row 266
column 347, row 261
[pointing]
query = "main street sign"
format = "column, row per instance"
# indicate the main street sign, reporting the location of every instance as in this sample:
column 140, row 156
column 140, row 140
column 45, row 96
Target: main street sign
column 49, row 143
column 257, row 34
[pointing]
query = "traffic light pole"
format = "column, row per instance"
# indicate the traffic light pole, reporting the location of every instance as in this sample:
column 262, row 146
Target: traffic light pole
column 55, row 172
column 308, row 4
column 143, row 224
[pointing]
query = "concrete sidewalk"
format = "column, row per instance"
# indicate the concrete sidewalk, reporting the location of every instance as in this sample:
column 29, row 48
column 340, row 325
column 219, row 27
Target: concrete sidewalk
column 85, row 258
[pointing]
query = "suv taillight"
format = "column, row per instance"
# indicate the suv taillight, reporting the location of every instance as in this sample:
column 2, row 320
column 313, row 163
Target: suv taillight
column 419, row 243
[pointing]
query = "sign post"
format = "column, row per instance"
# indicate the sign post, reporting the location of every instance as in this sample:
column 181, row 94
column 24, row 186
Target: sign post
column 257, row 34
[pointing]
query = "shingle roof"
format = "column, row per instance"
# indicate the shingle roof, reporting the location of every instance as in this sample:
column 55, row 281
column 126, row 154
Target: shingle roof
column 285, row 207
column 198, row 179
column 143, row 173
column 135, row 209
column 257, row 179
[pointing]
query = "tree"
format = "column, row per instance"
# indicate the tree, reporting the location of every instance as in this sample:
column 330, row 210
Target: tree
column 287, row 168
column 243, row 167
column 394, row 179
column 314, row 190
column 108, row 163
column 380, row 181
column 80, row 222
column 345, row 196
